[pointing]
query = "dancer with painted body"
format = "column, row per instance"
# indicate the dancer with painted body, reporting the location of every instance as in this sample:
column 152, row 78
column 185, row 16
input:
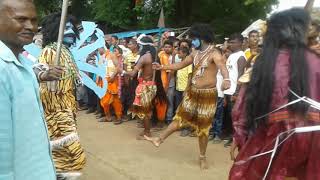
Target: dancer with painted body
column 198, row 106
column 146, row 90
column 60, row 105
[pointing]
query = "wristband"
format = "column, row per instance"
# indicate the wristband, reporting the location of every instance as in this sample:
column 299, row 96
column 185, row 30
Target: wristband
column 39, row 75
column 226, row 79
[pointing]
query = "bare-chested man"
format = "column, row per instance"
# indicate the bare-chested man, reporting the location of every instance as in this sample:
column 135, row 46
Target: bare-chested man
column 199, row 102
column 147, row 88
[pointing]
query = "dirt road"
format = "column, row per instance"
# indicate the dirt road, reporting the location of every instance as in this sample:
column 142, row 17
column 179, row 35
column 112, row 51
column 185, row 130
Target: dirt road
column 113, row 153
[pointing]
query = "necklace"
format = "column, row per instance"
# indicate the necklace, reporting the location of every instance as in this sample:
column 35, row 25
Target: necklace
column 196, row 56
column 201, row 62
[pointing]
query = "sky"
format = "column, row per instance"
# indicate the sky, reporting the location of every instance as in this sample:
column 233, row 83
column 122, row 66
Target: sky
column 287, row 4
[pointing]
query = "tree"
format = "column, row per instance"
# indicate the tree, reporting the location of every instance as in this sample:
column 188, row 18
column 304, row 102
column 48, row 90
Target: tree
column 47, row 7
column 149, row 11
column 116, row 13
column 225, row 16
column 82, row 9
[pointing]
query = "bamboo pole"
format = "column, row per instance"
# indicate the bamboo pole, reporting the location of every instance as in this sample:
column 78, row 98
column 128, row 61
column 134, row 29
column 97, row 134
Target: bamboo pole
column 53, row 85
column 309, row 5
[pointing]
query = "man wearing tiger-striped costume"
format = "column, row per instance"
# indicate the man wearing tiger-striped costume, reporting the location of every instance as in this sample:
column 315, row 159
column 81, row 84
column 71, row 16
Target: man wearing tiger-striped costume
column 59, row 101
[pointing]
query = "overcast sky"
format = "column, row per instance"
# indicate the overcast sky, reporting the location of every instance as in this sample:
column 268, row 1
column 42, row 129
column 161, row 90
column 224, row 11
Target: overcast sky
column 287, row 4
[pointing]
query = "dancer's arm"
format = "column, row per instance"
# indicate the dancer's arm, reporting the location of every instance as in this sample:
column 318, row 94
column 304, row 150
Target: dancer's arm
column 136, row 68
column 175, row 66
column 51, row 74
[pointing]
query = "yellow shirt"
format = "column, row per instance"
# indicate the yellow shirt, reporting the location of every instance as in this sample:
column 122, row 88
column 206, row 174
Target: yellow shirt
column 164, row 60
column 247, row 53
column 130, row 60
column 182, row 78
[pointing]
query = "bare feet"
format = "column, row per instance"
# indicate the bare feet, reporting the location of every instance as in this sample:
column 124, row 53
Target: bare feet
column 203, row 163
column 155, row 141
column 142, row 136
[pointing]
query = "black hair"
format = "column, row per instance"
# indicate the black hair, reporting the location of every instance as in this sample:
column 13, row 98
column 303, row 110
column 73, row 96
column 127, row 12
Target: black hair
column 203, row 32
column 115, row 36
column 185, row 50
column 119, row 49
column 50, row 27
column 168, row 42
column 236, row 36
column 132, row 40
column 107, row 45
column 286, row 29
column 186, row 41
column 161, row 94
column 253, row 32
column 148, row 48
column 127, row 39
column 173, row 39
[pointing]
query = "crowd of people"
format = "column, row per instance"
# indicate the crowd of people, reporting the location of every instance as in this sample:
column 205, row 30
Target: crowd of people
column 255, row 93
column 239, row 54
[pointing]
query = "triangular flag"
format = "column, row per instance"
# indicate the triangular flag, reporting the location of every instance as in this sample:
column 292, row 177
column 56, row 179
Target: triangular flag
column 161, row 22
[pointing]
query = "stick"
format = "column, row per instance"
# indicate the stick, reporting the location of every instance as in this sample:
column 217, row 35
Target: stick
column 183, row 33
column 309, row 5
column 53, row 84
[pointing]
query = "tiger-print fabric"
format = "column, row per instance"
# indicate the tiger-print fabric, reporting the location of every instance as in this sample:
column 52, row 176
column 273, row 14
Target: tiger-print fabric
column 197, row 109
column 60, row 108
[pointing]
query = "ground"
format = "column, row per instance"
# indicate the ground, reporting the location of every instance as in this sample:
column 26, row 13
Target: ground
column 113, row 153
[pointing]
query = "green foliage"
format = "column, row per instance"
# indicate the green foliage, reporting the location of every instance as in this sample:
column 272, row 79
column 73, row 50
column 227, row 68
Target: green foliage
column 226, row 16
column 118, row 13
column 82, row 9
column 45, row 7
column 148, row 15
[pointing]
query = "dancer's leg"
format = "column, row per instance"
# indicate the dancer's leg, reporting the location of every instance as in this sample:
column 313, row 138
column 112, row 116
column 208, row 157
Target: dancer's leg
column 147, row 126
column 203, row 142
column 174, row 126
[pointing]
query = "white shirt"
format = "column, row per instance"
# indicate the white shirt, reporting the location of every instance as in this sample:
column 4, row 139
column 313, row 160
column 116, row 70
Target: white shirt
column 232, row 66
column 219, row 84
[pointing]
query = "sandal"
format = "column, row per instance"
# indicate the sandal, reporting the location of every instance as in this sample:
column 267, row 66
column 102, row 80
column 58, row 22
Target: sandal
column 117, row 122
column 102, row 120
column 108, row 119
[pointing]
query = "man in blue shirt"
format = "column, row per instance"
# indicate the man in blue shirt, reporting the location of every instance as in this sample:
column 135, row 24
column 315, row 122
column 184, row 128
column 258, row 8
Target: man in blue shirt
column 25, row 152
